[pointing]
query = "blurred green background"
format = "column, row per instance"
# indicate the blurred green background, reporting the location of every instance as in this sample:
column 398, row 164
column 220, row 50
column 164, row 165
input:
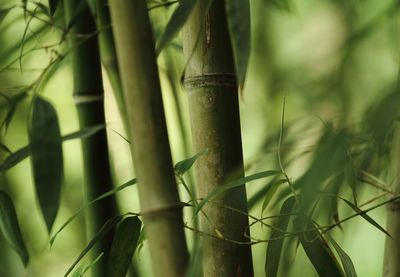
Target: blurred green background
column 330, row 59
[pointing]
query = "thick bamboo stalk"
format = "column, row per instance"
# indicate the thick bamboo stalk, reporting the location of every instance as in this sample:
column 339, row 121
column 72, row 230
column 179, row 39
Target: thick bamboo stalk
column 159, row 200
column 89, row 96
column 212, row 88
column 391, row 264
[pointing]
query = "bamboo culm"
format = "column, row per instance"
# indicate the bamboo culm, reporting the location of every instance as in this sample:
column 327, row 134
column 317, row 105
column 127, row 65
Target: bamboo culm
column 159, row 201
column 211, row 84
column 89, row 99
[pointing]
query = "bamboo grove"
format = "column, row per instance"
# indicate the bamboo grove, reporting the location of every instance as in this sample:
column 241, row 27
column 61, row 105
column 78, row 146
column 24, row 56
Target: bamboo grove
column 199, row 138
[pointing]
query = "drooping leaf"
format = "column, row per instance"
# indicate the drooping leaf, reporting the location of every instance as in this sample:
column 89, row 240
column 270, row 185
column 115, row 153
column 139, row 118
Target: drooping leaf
column 317, row 249
column 176, row 22
column 53, row 5
column 100, row 197
column 110, row 224
column 82, row 269
column 46, row 157
column 183, row 166
column 238, row 16
column 123, row 247
column 274, row 249
column 347, row 263
column 9, row 116
column 364, row 215
column 10, row 228
column 234, row 184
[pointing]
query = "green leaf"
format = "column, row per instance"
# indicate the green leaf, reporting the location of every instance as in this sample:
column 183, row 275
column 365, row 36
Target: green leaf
column 110, row 224
column 14, row 158
column 84, row 133
column 234, row 184
column 274, row 249
column 24, row 152
column 317, row 249
column 4, row 148
column 183, row 166
column 3, row 14
column 123, row 247
column 366, row 217
column 46, row 157
column 82, row 269
column 176, row 22
column 10, row 228
column 53, row 5
column 347, row 264
column 238, row 16
column 271, row 192
column 102, row 196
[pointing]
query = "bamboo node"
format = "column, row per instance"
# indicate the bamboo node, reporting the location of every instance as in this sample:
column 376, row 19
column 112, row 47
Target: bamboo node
column 174, row 211
column 87, row 98
column 210, row 80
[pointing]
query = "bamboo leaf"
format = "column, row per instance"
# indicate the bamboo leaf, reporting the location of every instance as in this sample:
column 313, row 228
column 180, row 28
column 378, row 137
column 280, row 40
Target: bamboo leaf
column 3, row 14
column 274, row 249
column 4, row 148
column 176, row 22
column 24, row 152
column 15, row 158
column 317, row 249
column 234, row 184
column 53, row 5
column 366, row 217
column 347, row 263
column 271, row 192
column 123, row 247
column 100, row 234
column 102, row 196
column 46, row 157
column 10, row 228
column 238, row 16
column 81, row 270
column 183, row 166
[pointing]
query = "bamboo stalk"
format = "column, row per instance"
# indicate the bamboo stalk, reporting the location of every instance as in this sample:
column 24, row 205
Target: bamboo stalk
column 89, row 96
column 391, row 265
column 108, row 54
column 214, row 110
column 159, row 200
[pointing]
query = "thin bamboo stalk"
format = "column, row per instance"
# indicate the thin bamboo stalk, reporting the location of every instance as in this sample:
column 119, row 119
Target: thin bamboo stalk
column 158, row 194
column 391, row 265
column 89, row 96
column 214, row 110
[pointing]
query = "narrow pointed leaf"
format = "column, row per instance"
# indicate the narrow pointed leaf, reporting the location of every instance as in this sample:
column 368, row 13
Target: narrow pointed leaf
column 234, row 184
column 238, row 16
column 183, row 166
column 46, row 157
column 53, row 5
column 347, row 263
column 24, row 152
column 102, row 196
column 317, row 249
column 10, row 228
column 123, row 247
column 274, row 249
column 4, row 148
column 366, row 217
column 110, row 224
column 271, row 192
column 176, row 22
